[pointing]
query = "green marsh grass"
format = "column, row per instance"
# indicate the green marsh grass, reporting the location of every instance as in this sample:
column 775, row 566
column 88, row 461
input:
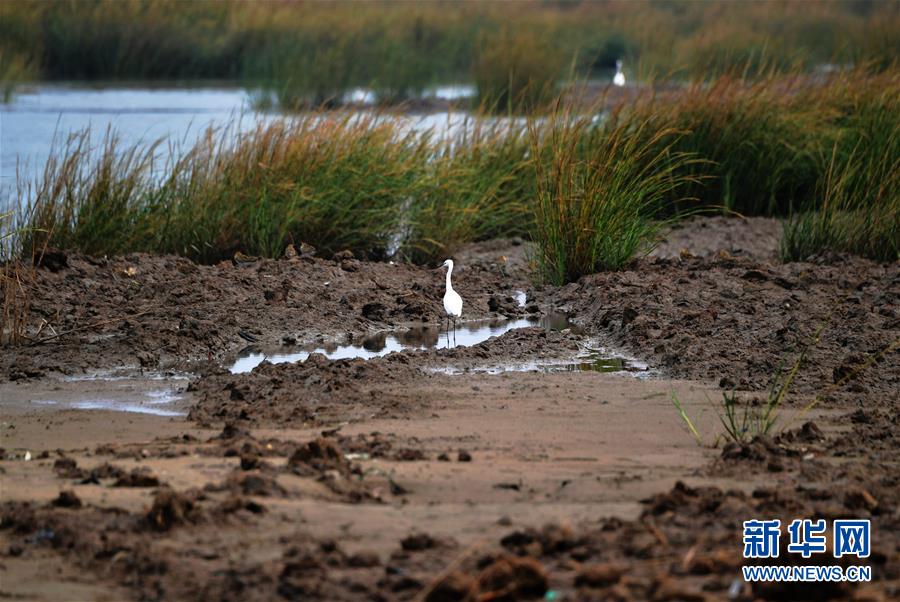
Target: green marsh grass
column 93, row 200
column 755, row 143
column 514, row 73
column 310, row 52
column 334, row 182
column 15, row 280
column 15, row 69
column 856, row 205
column 742, row 422
column 591, row 191
column 599, row 192
column 479, row 185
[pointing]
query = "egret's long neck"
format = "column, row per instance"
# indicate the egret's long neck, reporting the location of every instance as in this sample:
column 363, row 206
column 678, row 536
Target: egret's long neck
column 449, row 271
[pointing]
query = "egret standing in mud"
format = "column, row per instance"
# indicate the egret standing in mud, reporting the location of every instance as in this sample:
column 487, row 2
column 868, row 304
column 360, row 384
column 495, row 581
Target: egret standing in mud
column 452, row 302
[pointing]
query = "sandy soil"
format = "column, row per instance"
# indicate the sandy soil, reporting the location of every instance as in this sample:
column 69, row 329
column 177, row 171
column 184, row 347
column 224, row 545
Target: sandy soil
column 387, row 479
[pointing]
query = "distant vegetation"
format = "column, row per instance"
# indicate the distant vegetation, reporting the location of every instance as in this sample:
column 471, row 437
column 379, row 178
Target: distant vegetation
column 311, row 53
column 591, row 192
column 783, row 108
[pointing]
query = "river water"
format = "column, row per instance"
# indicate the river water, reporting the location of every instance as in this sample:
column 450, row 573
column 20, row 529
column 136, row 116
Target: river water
column 40, row 116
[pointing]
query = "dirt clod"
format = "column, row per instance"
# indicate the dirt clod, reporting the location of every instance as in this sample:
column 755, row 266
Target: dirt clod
column 67, row 499
column 170, row 509
column 512, row 578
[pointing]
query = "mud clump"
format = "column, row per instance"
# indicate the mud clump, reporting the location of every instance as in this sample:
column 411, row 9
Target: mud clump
column 324, row 460
column 305, row 571
column 51, row 259
column 318, row 456
column 503, row 578
column 257, row 484
column 599, row 575
column 67, row 499
column 236, row 503
column 67, row 468
column 511, row 578
column 138, row 477
column 549, row 540
column 455, row 587
column 316, row 391
column 250, row 461
column 232, row 431
column 417, row 542
column 171, row 509
column 364, row 559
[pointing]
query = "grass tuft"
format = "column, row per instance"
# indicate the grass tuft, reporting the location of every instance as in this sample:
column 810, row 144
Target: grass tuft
column 856, row 206
column 333, row 182
column 599, row 191
column 515, row 73
column 479, row 185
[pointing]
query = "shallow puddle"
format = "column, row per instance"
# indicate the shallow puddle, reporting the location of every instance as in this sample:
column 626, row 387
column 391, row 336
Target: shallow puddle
column 593, row 360
column 424, row 336
column 600, row 361
column 158, row 403
column 431, row 337
column 141, row 395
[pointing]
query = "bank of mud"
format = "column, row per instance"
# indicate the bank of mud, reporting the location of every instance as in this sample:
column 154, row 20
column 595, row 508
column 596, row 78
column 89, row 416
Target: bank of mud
column 168, row 313
column 386, row 479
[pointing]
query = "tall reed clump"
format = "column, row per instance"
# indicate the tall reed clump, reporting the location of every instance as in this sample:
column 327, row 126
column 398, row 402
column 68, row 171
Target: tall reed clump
column 89, row 198
column 514, row 72
column 480, row 185
column 336, row 182
column 307, row 69
column 599, row 190
column 856, row 208
column 15, row 278
column 14, row 69
column 755, row 144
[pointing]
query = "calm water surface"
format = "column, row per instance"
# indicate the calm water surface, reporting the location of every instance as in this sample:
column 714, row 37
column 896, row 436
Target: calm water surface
column 39, row 115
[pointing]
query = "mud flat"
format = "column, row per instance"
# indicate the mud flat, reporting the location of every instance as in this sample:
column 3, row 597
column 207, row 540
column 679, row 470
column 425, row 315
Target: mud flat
column 139, row 463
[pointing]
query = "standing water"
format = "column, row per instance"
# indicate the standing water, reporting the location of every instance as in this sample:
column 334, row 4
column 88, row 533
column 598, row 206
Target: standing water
column 427, row 336
column 39, row 116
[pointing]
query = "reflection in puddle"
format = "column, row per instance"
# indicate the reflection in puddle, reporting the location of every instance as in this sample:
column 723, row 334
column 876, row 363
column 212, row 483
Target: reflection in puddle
column 417, row 337
column 599, row 361
column 594, row 360
column 429, row 336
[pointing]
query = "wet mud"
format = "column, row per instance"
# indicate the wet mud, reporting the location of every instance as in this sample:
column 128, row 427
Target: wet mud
column 440, row 473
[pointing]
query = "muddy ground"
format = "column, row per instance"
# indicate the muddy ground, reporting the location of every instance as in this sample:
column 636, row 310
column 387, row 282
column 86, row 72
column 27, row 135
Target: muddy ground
column 391, row 479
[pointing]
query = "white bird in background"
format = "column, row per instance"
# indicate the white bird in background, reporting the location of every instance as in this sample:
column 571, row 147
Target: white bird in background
column 452, row 301
column 619, row 77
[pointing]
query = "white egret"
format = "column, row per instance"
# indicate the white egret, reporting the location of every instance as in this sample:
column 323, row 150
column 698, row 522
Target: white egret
column 619, row 77
column 452, row 301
